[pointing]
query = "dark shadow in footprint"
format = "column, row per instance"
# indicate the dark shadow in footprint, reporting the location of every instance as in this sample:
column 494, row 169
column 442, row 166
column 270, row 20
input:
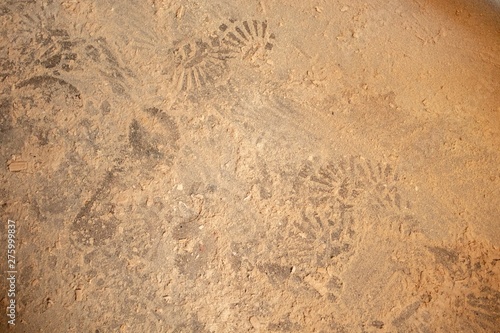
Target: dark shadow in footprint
column 95, row 223
column 49, row 86
column 142, row 142
column 154, row 139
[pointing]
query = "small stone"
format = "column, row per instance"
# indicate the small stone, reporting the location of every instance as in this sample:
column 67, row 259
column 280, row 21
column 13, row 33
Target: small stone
column 255, row 322
column 378, row 324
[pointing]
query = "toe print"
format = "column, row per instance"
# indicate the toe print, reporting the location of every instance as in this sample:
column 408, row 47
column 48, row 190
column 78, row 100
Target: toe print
column 249, row 40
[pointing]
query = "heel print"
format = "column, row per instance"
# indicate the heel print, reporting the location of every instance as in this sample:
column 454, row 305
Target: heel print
column 196, row 65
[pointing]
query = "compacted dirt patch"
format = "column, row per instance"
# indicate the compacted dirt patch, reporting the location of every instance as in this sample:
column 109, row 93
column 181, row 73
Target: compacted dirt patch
column 250, row 166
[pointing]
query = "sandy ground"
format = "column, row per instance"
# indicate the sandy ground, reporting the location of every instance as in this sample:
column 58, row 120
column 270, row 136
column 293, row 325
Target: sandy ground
column 251, row 166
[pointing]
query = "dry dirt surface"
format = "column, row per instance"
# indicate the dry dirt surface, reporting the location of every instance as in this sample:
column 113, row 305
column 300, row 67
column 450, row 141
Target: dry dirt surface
column 251, row 166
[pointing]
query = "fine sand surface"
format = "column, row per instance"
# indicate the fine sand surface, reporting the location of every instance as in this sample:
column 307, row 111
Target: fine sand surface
column 251, row 166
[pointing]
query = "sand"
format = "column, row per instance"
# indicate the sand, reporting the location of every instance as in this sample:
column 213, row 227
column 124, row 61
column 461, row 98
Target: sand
column 251, row 166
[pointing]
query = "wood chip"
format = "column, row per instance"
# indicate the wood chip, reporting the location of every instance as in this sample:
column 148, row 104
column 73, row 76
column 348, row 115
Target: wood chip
column 17, row 166
column 180, row 12
column 78, row 294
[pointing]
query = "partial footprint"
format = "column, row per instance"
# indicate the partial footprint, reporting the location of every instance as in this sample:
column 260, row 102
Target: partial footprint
column 249, row 40
column 153, row 139
column 195, row 64
column 331, row 201
column 373, row 185
column 95, row 223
